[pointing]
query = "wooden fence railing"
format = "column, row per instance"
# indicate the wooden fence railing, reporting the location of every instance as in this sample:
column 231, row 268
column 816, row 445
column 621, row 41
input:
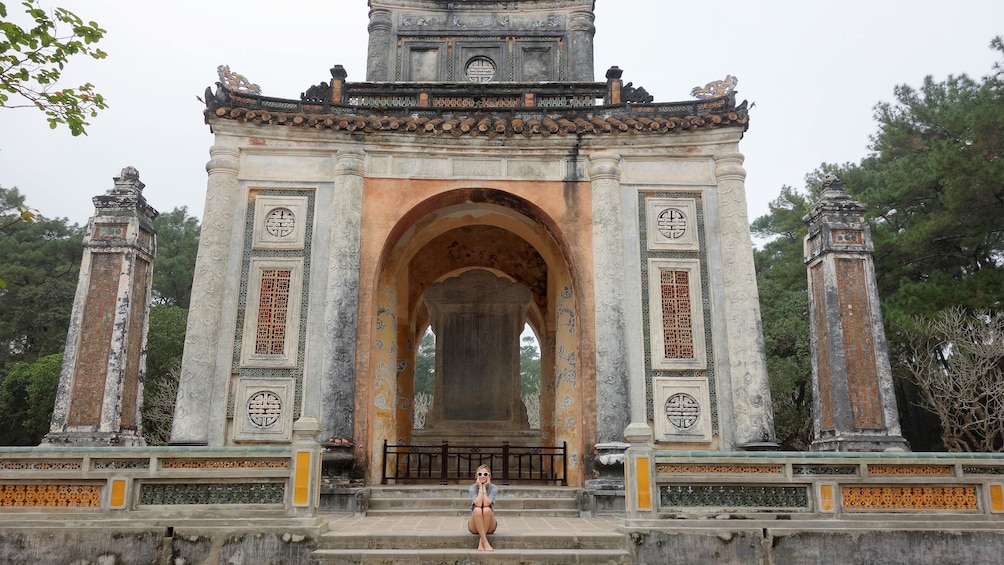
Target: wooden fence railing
column 446, row 463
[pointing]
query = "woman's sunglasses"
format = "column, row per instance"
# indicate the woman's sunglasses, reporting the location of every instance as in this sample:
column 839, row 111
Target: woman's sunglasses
column 483, row 474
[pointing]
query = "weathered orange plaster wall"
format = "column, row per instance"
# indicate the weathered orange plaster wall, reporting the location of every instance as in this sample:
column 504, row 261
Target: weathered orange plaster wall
column 387, row 201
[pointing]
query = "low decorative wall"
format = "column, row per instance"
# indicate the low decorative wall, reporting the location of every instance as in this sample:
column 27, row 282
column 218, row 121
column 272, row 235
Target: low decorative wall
column 267, row 480
column 138, row 479
column 830, row 484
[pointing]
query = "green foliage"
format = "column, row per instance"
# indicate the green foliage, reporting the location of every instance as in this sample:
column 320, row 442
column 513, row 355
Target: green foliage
column 177, row 246
column 934, row 188
column 529, row 367
column 39, row 261
column 425, row 364
column 782, row 283
column 33, row 55
column 166, row 340
column 27, row 397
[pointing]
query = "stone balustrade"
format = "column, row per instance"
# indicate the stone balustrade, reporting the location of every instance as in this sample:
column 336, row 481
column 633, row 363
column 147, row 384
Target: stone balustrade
column 829, row 485
column 149, row 482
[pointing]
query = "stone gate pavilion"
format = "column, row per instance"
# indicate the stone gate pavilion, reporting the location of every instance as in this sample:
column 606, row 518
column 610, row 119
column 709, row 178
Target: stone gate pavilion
column 478, row 180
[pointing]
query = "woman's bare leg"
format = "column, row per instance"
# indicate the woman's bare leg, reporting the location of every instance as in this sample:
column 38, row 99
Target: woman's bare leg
column 482, row 521
column 490, row 523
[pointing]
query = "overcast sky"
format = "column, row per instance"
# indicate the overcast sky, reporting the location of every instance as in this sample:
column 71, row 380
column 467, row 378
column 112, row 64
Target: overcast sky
column 814, row 69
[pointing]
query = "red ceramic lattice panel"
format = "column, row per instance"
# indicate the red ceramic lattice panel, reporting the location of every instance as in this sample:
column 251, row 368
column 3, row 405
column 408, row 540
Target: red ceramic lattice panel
column 677, row 324
column 273, row 308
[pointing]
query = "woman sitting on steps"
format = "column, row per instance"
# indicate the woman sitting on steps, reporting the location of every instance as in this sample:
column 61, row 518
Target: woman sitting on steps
column 482, row 520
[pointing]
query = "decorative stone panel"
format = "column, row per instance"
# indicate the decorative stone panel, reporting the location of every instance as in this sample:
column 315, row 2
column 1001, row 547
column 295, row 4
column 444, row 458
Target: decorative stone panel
column 224, row 463
column 263, row 410
column 676, row 314
column 671, row 224
column 735, row 496
column 201, row 493
column 682, row 409
column 280, row 222
column 272, row 320
column 50, row 496
column 721, row 469
column 927, row 497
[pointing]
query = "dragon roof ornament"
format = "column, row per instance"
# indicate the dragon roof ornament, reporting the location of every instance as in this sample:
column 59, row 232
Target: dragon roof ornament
column 715, row 88
column 236, row 82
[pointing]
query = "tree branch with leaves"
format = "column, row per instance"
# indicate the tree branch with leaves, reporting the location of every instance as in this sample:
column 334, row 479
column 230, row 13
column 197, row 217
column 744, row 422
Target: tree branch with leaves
column 32, row 59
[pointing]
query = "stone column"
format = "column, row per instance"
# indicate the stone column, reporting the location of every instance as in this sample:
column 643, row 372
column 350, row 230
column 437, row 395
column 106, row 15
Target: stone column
column 100, row 395
column 614, row 410
column 854, row 405
column 202, row 340
column 620, row 371
column 751, row 406
column 338, row 368
column 580, row 46
column 380, row 52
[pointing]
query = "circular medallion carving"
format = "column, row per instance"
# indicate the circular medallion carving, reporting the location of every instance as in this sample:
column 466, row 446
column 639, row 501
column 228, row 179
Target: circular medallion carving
column 480, row 69
column 683, row 410
column 672, row 223
column 264, row 408
column 279, row 222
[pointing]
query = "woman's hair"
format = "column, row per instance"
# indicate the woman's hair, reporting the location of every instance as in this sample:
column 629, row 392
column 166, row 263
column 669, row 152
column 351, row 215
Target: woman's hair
column 486, row 468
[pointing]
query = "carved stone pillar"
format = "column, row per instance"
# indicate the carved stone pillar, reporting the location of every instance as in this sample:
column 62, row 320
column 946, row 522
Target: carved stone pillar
column 380, row 52
column 614, row 379
column 100, row 396
column 199, row 391
column 342, row 301
column 477, row 318
column 854, row 405
column 582, row 31
column 751, row 406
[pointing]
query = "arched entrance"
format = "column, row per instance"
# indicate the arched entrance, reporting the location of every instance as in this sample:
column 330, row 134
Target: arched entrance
column 484, row 235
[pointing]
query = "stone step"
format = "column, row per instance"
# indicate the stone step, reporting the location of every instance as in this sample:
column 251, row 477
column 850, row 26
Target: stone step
column 455, row 501
column 465, row 503
column 455, row 556
column 459, row 538
column 457, row 546
column 454, row 491
column 540, row 512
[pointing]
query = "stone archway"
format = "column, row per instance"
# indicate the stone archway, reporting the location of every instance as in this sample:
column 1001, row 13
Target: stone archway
column 437, row 243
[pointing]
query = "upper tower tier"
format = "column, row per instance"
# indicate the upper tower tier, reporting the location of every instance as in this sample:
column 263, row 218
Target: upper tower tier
column 480, row 41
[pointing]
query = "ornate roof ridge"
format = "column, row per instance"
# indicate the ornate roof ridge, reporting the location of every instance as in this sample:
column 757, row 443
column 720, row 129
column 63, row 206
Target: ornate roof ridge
column 525, row 122
column 494, row 108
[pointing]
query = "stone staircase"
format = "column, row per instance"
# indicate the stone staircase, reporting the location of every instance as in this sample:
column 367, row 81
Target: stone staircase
column 454, row 501
column 428, row 525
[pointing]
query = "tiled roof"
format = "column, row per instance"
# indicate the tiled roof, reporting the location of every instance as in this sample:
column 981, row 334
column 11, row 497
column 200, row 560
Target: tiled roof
column 528, row 122
column 475, row 109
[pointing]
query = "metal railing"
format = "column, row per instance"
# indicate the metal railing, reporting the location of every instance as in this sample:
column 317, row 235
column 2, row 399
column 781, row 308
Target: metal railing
column 446, row 463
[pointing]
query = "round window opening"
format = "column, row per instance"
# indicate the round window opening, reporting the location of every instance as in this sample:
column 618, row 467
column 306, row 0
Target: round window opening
column 683, row 411
column 480, row 69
